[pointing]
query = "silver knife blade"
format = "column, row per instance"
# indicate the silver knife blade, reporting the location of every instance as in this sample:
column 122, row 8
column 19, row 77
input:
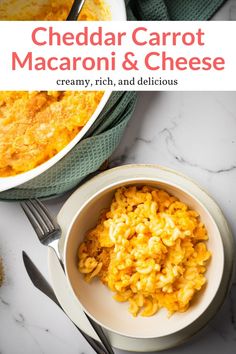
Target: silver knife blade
column 38, row 279
column 42, row 284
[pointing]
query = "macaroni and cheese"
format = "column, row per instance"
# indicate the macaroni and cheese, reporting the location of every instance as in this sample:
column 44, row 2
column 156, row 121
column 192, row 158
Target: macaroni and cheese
column 149, row 248
column 51, row 10
column 34, row 126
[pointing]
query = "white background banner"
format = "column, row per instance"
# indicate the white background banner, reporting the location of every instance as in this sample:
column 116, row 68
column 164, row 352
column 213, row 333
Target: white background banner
column 118, row 56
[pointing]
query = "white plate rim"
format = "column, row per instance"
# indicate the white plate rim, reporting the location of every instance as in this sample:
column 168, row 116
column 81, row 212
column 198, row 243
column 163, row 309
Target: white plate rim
column 145, row 345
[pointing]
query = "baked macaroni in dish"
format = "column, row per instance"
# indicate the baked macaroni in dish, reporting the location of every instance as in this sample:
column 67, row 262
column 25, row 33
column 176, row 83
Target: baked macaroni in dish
column 34, row 126
column 150, row 249
column 50, row 10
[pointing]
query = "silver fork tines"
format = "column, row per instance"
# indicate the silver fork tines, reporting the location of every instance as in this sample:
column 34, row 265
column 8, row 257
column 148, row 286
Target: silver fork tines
column 46, row 228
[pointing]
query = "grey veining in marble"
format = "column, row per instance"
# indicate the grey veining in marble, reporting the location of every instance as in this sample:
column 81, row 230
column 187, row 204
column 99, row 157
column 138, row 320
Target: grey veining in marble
column 194, row 133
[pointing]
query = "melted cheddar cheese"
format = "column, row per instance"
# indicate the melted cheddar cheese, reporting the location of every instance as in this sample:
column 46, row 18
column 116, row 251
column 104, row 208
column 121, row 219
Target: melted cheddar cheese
column 34, row 126
column 149, row 249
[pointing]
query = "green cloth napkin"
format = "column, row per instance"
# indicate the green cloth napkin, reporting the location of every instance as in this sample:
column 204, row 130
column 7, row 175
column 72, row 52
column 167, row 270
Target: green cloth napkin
column 89, row 154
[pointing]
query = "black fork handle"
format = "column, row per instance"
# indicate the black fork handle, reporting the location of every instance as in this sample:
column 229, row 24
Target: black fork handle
column 75, row 10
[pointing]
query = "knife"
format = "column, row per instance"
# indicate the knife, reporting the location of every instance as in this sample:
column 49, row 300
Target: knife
column 42, row 284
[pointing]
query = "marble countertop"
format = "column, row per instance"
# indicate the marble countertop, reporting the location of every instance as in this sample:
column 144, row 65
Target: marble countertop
column 194, row 133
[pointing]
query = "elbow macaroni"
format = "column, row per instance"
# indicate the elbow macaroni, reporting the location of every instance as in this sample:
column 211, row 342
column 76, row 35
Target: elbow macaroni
column 149, row 249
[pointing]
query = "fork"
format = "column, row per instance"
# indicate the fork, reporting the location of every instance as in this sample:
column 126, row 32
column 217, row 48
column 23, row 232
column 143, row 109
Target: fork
column 49, row 233
column 44, row 224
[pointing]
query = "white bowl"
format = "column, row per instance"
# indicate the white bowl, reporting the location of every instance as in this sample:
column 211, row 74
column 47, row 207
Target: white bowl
column 118, row 13
column 96, row 299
